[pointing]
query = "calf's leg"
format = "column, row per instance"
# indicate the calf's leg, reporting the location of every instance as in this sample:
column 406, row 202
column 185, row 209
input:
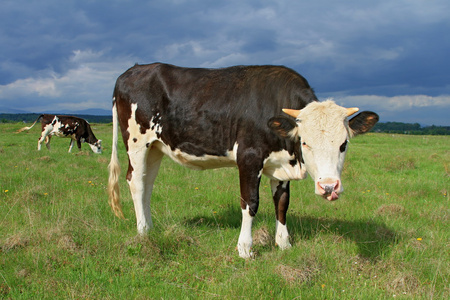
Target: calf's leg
column 249, row 178
column 280, row 194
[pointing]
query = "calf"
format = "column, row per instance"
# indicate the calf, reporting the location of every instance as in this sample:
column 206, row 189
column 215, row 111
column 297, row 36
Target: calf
column 75, row 128
column 212, row 118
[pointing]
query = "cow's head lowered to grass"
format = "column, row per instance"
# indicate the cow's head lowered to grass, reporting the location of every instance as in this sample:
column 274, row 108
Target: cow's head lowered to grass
column 323, row 131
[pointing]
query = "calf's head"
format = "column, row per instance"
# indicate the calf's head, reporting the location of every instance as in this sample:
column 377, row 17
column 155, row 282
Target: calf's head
column 323, row 131
column 96, row 147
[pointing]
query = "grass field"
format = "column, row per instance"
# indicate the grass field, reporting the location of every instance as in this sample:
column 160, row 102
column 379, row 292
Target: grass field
column 386, row 237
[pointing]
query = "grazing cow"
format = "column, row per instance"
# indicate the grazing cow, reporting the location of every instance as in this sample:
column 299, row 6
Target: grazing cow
column 212, row 118
column 76, row 128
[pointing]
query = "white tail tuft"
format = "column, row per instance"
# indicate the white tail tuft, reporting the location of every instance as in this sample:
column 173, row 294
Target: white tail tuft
column 28, row 128
column 114, row 170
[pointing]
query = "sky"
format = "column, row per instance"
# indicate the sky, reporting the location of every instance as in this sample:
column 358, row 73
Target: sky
column 388, row 56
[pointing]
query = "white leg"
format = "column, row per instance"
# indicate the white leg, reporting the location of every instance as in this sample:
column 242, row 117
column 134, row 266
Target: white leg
column 154, row 159
column 71, row 145
column 145, row 166
column 44, row 137
column 282, row 236
column 245, row 238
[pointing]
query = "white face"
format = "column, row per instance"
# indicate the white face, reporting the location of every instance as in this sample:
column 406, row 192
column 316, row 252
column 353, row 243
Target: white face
column 324, row 133
column 97, row 147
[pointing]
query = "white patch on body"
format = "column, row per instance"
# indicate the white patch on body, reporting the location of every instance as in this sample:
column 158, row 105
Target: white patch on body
column 200, row 162
column 277, row 166
column 157, row 126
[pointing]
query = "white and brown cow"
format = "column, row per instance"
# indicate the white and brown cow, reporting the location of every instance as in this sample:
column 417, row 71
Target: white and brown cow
column 212, row 118
column 77, row 129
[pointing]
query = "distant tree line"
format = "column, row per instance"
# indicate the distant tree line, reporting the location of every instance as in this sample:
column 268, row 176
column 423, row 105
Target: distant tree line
column 411, row 128
column 30, row 118
column 388, row 127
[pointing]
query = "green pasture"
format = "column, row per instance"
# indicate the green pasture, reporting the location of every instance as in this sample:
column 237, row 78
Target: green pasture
column 387, row 237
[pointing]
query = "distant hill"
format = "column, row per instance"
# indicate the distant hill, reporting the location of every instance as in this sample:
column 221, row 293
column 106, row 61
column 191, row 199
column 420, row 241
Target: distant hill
column 93, row 112
column 30, row 118
column 8, row 110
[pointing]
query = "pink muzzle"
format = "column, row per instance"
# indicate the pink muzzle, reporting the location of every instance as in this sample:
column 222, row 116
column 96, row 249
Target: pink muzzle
column 329, row 188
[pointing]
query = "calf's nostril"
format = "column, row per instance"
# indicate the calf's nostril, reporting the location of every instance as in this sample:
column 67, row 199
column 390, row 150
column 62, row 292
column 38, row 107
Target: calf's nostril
column 328, row 187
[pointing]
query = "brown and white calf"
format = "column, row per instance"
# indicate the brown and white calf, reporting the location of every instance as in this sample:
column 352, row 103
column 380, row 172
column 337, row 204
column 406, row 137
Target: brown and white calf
column 212, row 118
column 77, row 129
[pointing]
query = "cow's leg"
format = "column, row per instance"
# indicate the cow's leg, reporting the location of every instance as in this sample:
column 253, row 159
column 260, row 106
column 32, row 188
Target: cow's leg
column 47, row 141
column 71, row 145
column 249, row 178
column 42, row 138
column 39, row 144
column 46, row 132
column 280, row 193
column 79, row 144
column 142, row 171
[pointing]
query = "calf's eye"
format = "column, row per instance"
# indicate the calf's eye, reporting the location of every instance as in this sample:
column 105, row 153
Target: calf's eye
column 343, row 146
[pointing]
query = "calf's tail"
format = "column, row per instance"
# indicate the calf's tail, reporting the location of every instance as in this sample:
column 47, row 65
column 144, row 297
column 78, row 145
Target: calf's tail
column 28, row 128
column 114, row 169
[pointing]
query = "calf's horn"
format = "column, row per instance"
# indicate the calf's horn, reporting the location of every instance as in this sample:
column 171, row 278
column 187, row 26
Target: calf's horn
column 351, row 111
column 292, row 112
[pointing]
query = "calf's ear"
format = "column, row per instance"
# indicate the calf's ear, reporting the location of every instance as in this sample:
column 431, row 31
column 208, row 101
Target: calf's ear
column 283, row 126
column 363, row 122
